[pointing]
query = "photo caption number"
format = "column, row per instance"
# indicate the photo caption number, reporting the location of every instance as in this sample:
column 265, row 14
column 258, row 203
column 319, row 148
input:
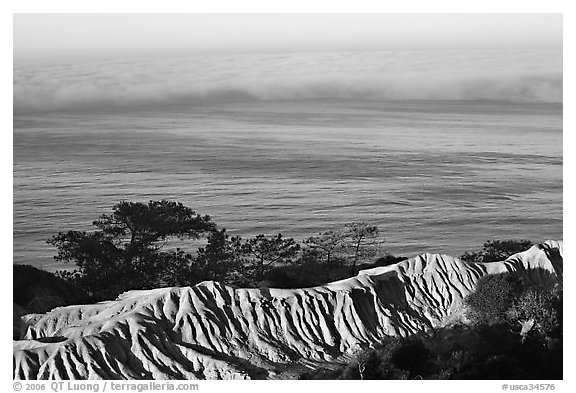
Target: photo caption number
column 530, row 386
column 542, row 386
column 35, row 386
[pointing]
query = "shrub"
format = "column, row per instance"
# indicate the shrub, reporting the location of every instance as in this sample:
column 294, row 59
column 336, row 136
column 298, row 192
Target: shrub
column 394, row 358
column 493, row 296
column 39, row 291
column 497, row 250
column 507, row 298
column 459, row 352
column 543, row 307
column 388, row 260
column 376, row 363
column 412, row 356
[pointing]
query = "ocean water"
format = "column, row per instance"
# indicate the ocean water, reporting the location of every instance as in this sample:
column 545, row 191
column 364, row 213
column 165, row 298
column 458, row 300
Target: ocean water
column 435, row 175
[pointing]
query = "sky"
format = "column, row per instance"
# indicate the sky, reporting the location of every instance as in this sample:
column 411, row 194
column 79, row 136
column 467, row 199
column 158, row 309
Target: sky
column 87, row 36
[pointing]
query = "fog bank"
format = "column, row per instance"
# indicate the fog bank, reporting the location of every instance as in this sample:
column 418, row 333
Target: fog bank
column 509, row 75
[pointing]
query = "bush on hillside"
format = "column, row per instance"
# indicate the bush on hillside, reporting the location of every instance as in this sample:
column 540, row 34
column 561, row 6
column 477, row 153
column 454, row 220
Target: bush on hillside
column 493, row 296
column 459, row 352
column 39, row 291
column 497, row 250
column 540, row 307
column 311, row 271
column 387, row 260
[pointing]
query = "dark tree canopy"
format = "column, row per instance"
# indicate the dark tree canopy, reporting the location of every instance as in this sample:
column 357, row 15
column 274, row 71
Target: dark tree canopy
column 39, row 291
column 361, row 240
column 147, row 224
column 125, row 250
column 263, row 252
column 327, row 245
column 221, row 259
column 135, row 247
column 497, row 250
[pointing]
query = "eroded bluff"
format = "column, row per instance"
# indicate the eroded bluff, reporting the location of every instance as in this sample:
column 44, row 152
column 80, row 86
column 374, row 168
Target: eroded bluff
column 212, row 331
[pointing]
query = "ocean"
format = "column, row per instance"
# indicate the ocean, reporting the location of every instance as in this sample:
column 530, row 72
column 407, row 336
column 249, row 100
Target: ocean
column 438, row 173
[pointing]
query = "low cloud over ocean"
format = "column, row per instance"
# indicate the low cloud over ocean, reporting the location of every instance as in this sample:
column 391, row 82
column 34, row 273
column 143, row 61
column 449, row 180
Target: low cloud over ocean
column 501, row 75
